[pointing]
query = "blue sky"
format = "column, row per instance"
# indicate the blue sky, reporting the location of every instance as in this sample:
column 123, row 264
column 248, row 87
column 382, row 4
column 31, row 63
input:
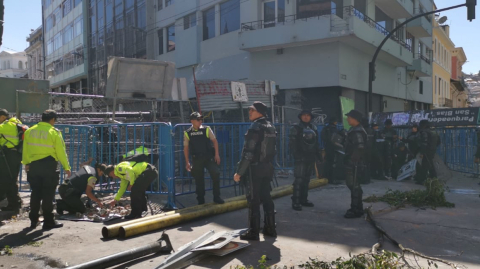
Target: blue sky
column 23, row 15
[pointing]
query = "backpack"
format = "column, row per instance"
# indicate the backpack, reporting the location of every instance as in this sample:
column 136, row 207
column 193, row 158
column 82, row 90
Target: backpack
column 141, row 157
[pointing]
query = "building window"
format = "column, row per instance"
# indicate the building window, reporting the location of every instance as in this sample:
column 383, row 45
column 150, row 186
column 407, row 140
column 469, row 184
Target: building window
column 78, row 26
column 189, row 21
column 410, row 41
column 68, row 33
column 160, row 41
column 46, row 3
column 129, row 4
column 57, row 41
column 171, row 38
column 109, row 11
column 57, row 15
column 48, row 23
column 209, row 23
column 79, row 56
column 20, row 65
column 229, row 16
column 420, row 87
column 160, row 4
column 67, row 7
column 50, row 46
column 58, row 66
column 169, row 2
column 77, row 2
column 68, row 61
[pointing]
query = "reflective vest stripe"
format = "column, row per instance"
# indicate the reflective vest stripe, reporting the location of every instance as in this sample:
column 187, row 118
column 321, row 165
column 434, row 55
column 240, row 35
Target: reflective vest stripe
column 9, row 136
column 39, row 145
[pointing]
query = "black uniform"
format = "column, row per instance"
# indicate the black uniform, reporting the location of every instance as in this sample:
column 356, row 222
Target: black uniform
column 428, row 142
column 305, row 149
column 202, row 151
column 400, row 158
column 365, row 179
column 355, row 156
column 10, row 163
column 72, row 189
column 390, row 139
column 326, row 135
column 257, row 170
column 378, row 147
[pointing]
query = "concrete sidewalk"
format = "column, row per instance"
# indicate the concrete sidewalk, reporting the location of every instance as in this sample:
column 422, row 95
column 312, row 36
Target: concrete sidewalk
column 319, row 232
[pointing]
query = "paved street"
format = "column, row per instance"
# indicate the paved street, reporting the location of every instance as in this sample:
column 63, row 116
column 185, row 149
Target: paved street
column 320, row 232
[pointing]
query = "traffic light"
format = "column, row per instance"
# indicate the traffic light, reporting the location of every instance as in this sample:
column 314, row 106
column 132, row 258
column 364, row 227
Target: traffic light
column 371, row 71
column 471, row 9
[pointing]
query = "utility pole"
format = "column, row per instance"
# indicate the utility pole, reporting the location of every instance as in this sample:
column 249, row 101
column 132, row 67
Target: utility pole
column 470, row 4
column 2, row 13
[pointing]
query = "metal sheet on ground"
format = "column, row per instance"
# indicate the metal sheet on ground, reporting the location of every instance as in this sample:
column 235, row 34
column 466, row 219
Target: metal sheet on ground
column 229, row 248
column 219, row 240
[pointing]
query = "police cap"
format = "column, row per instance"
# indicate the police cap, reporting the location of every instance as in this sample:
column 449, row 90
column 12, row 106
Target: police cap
column 388, row 122
column 355, row 114
column 260, row 107
column 196, row 116
column 48, row 115
column 3, row 112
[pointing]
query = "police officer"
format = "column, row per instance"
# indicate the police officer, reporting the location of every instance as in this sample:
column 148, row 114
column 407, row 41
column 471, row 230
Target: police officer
column 377, row 165
column 43, row 148
column 256, row 170
column 412, row 142
column 365, row 179
column 326, row 135
column 200, row 141
column 83, row 181
column 10, row 161
column 305, row 148
column 390, row 138
column 135, row 177
column 355, row 156
column 428, row 142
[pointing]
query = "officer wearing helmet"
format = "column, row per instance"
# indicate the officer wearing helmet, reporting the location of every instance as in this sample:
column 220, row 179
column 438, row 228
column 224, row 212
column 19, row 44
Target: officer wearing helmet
column 355, row 156
column 305, row 149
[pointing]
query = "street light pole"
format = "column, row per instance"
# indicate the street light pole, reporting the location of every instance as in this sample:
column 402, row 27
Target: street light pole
column 371, row 65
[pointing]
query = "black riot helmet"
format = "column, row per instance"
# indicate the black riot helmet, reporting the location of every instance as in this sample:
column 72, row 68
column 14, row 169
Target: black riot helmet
column 309, row 136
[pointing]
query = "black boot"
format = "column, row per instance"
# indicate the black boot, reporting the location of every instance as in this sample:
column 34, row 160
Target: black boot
column 54, row 225
column 61, row 206
column 254, row 222
column 296, row 205
column 356, row 206
column 201, row 200
column 218, row 200
column 303, row 200
column 269, row 225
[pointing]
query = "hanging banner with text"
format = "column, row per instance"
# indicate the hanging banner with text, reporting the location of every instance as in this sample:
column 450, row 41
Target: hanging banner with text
column 437, row 118
column 347, row 105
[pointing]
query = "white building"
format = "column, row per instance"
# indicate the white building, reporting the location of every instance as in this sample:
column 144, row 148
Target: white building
column 315, row 50
column 35, row 54
column 13, row 64
column 64, row 41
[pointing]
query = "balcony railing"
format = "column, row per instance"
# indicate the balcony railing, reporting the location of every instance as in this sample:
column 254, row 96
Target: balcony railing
column 347, row 11
column 352, row 11
column 282, row 20
column 424, row 58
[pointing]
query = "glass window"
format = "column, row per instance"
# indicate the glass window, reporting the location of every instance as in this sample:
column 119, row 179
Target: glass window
column 118, row 8
column 57, row 15
column 312, row 8
column 68, row 61
column 160, row 41
column 421, row 87
column 281, row 10
column 58, row 65
column 47, row 3
column 129, row 3
column 67, row 7
column 269, row 14
column 68, row 33
column 49, row 46
column 57, row 41
column 230, row 16
column 79, row 56
column 209, row 23
column 109, row 11
column 171, row 38
column 100, row 16
column 141, row 17
column 119, row 36
column 189, row 21
column 160, row 4
column 169, row 2
column 77, row 2
column 48, row 23
column 78, row 27
column 383, row 19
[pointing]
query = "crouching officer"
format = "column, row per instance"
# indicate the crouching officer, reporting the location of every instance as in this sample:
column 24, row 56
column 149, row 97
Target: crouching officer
column 10, row 161
column 355, row 157
column 306, row 150
column 83, row 181
column 256, row 170
column 200, row 141
column 136, row 178
column 43, row 148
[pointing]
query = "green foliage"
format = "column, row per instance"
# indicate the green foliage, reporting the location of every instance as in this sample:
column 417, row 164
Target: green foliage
column 35, row 244
column 7, row 250
column 433, row 196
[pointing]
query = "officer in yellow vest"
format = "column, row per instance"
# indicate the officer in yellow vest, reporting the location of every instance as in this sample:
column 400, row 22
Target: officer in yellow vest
column 10, row 161
column 136, row 178
column 43, row 148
